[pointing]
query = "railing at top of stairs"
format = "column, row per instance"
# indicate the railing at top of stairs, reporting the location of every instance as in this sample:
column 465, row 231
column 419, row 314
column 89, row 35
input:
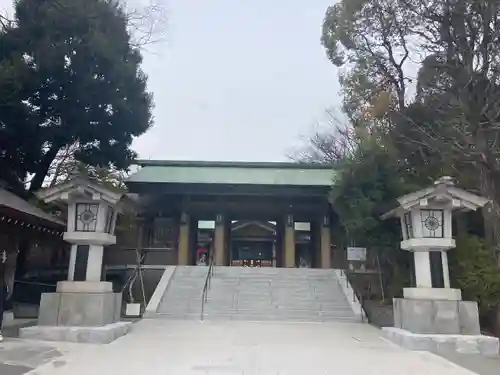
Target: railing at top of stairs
column 206, row 286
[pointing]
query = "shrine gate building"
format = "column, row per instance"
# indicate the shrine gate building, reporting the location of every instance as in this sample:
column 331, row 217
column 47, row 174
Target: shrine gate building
column 175, row 196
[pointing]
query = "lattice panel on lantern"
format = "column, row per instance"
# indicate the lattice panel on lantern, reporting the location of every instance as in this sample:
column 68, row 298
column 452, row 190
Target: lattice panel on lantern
column 86, row 217
column 408, row 225
column 109, row 219
column 432, row 223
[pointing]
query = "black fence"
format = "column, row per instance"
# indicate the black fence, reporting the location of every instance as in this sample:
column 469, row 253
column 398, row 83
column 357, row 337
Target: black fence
column 29, row 289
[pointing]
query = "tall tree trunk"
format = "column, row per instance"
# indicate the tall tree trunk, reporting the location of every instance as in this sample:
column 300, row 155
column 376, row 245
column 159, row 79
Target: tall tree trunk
column 43, row 168
column 491, row 215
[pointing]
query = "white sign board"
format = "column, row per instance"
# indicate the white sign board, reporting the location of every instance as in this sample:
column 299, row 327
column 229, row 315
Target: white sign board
column 356, row 254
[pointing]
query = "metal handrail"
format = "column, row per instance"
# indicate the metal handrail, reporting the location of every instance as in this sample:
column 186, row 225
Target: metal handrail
column 34, row 283
column 206, row 286
column 355, row 293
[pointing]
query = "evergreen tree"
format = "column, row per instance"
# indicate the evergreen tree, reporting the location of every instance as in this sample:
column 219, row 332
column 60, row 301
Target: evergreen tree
column 78, row 81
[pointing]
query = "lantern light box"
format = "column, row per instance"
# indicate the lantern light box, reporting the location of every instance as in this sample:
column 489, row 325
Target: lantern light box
column 92, row 210
column 426, row 215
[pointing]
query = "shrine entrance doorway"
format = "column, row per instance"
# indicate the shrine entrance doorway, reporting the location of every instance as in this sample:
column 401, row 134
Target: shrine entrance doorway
column 253, row 244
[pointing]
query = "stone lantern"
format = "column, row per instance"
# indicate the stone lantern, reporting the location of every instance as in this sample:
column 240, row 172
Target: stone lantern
column 432, row 313
column 84, row 301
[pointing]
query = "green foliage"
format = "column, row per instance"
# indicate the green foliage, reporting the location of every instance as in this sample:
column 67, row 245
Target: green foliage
column 65, row 166
column 371, row 40
column 369, row 183
column 19, row 144
column 78, row 81
column 450, row 125
column 112, row 178
column 473, row 269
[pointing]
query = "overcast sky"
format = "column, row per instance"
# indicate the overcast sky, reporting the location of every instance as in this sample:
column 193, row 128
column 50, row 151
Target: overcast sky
column 237, row 80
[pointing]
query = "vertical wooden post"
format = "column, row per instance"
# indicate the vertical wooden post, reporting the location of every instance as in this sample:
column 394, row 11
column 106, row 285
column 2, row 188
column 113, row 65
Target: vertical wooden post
column 326, row 243
column 316, row 243
column 220, row 240
column 193, row 240
column 290, row 242
column 280, row 259
column 183, row 251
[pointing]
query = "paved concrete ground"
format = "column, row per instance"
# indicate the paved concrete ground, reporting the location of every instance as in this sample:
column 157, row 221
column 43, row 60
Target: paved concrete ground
column 165, row 347
column 21, row 356
column 18, row 357
column 475, row 363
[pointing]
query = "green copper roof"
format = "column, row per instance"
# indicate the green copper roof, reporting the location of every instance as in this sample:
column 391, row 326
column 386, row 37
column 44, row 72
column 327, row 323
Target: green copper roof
column 233, row 173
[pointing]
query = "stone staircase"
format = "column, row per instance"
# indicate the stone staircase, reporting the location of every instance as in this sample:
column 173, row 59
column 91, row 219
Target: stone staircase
column 257, row 294
column 182, row 298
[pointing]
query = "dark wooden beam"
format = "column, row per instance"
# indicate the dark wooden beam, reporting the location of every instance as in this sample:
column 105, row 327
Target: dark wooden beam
column 229, row 190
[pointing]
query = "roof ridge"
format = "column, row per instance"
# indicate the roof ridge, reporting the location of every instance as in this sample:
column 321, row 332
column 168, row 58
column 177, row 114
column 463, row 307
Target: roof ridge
column 230, row 164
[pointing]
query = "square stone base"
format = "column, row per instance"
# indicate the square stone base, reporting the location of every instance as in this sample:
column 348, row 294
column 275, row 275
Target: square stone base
column 79, row 308
column 93, row 335
column 465, row 344
column 436, row 316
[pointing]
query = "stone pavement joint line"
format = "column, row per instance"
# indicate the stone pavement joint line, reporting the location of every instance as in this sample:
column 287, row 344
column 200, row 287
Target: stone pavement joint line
column 21, row 356
column 170, row 347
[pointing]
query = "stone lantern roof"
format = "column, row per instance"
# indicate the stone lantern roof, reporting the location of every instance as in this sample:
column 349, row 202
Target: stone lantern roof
column 443, row 192
column 86, row 187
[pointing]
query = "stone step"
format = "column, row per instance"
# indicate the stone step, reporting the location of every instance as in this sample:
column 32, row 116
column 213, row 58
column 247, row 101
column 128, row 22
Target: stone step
column 272, row 312
column 292, row 293
column 256, row 294
column 284, row 299
column 254, row 317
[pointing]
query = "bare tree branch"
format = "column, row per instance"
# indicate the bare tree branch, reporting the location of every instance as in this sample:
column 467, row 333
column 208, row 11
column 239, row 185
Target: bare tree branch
column 147, row 23
column 328, row 144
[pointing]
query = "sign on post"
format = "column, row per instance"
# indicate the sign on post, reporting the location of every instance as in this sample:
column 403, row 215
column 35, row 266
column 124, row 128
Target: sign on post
column 357, row 254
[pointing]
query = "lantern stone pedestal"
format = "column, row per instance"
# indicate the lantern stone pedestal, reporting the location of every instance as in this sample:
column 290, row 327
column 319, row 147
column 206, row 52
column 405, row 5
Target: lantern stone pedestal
column 84, row 308
column 432, row 315
column 83, row 304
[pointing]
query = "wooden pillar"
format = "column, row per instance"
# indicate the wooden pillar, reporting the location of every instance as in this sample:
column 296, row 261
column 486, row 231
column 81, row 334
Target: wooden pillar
column 193, row 240
column 280, row 243
column 227, row 242
column 184, row 240
column 289, row 242
column 220, row 241
column 316, row 243
column 326, row 243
